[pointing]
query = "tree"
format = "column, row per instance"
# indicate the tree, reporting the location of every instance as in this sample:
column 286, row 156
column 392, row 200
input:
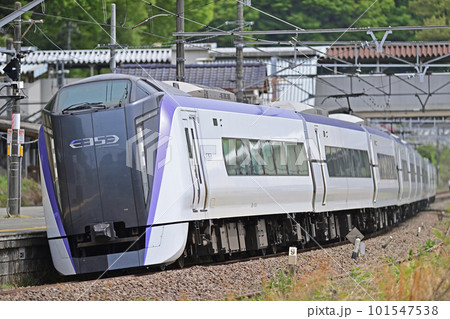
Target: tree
column 92, row 19
column 430, row 13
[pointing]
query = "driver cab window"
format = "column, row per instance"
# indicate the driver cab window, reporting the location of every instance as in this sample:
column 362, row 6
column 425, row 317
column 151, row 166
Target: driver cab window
column 107, row 93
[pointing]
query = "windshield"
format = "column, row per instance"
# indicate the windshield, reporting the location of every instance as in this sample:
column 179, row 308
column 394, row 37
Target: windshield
column 107, row 93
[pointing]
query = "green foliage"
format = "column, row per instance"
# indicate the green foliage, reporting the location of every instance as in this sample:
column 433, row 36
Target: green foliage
column 429, row 244
column 359, row 275
column 422, row 276
column 31, row 192
column 6, row 286
column 429, row 151
column 283, row 283
column 89, row 20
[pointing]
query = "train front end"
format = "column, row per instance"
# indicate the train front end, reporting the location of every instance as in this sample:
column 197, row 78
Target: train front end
column 96, row 172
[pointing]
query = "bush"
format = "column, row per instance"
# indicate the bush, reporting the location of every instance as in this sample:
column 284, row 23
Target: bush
column 31, row 192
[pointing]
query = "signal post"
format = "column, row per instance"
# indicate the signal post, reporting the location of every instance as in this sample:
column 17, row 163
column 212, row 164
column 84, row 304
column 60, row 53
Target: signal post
column 15, row 149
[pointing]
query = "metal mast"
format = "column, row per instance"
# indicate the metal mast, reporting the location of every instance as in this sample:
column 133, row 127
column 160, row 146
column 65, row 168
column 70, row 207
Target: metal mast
column 239, row 54
column 180, row 41
column 14, row 148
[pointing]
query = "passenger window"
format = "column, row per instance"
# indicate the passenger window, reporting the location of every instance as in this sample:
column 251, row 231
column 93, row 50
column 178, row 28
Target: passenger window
column 229, row 151
column 302, row 162
column 386, row 166
column 341, row 161
column 348, row 166
column 405, row 170
column 269, row 167
column 279, row 153
column 365, row 164
column 356, row 160
column 243, row 157
column 293, row 168
column 330, row 164
column 257, row 159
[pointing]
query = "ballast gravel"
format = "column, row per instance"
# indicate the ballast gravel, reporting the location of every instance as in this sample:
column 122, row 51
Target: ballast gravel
column 217, row 282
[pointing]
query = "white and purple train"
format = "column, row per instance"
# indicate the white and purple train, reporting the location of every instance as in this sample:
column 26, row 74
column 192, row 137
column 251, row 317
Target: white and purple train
column 138, row 173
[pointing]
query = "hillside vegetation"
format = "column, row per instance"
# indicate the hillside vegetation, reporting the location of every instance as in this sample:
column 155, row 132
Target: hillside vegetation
column 429, row 151
column 31, row 192
column 83, row 24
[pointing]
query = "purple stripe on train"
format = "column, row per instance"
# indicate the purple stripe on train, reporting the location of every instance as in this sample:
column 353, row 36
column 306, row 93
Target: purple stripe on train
column 51, row 191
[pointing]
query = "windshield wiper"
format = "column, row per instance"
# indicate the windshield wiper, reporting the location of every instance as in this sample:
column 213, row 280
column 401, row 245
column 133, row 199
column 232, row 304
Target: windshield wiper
column 84, row 106
column 124, row 96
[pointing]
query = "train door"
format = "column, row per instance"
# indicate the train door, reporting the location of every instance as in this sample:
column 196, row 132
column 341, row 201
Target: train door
column 374, row 165
column 322, row 168
column 196, row 162
column 400, row 169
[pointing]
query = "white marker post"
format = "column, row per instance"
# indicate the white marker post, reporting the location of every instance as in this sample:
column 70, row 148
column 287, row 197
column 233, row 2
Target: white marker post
column 386, row 243
column 362, row 248
column 292, row 259
column 356, row 249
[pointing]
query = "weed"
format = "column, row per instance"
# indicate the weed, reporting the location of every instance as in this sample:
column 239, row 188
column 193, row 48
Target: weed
column 425, row 276
column 429, row 244
column 6, row 286
column 31, row 192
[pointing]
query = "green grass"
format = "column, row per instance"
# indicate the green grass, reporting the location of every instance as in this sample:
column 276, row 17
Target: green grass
column 31, row 192
column 423, row 276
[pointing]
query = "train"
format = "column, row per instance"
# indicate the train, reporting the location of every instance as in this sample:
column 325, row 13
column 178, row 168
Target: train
column 138, row 173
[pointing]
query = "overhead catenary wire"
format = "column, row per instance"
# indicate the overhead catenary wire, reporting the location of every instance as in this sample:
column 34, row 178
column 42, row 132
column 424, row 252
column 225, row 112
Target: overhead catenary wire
column 268, row 195
column 270, row 15
column 271, row 75
column 90, row 22
column 267, row 41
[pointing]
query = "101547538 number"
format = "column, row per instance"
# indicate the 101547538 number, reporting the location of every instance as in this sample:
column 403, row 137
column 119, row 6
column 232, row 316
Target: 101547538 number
column 391, row 310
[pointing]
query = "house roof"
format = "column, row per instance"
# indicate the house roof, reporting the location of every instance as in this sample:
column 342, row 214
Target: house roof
column 403, row 51
column 96, row 56
column 215, row 75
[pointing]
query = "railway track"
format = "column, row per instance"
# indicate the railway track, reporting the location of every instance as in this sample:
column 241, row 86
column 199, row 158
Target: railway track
column 243, row 277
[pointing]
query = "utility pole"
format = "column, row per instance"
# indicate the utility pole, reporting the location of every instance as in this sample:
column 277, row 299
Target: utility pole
column 180, row 42
column 15, row 148
column 9, row 46
column 438, row 154
column 70, row 26
column 239, row 54
column 112, row 46
column 112, row 62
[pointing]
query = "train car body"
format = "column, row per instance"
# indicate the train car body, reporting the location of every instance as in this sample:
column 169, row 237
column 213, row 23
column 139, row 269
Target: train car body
column 136, row 173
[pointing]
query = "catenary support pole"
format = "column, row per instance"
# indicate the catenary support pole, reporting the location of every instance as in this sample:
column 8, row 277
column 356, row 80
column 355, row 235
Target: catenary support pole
column 180, row 42
column 112, row 62
column 9, row 46
column 239, row 53
column 14, row 150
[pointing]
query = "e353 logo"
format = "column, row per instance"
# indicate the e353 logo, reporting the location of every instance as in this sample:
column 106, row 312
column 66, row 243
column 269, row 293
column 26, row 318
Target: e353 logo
column 94, row 141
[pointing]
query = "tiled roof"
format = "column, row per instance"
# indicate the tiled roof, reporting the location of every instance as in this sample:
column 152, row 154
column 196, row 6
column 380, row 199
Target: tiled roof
column 216, row 75
column 96, row 56
column 403, row 51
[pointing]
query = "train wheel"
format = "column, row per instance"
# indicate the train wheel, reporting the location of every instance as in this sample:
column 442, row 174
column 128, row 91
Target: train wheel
column 274, row 249
column 180, row 262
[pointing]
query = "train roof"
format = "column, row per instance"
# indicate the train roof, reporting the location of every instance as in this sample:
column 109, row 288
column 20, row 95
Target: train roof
column 183, row 99
column 218, row 105
column 113, row 76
